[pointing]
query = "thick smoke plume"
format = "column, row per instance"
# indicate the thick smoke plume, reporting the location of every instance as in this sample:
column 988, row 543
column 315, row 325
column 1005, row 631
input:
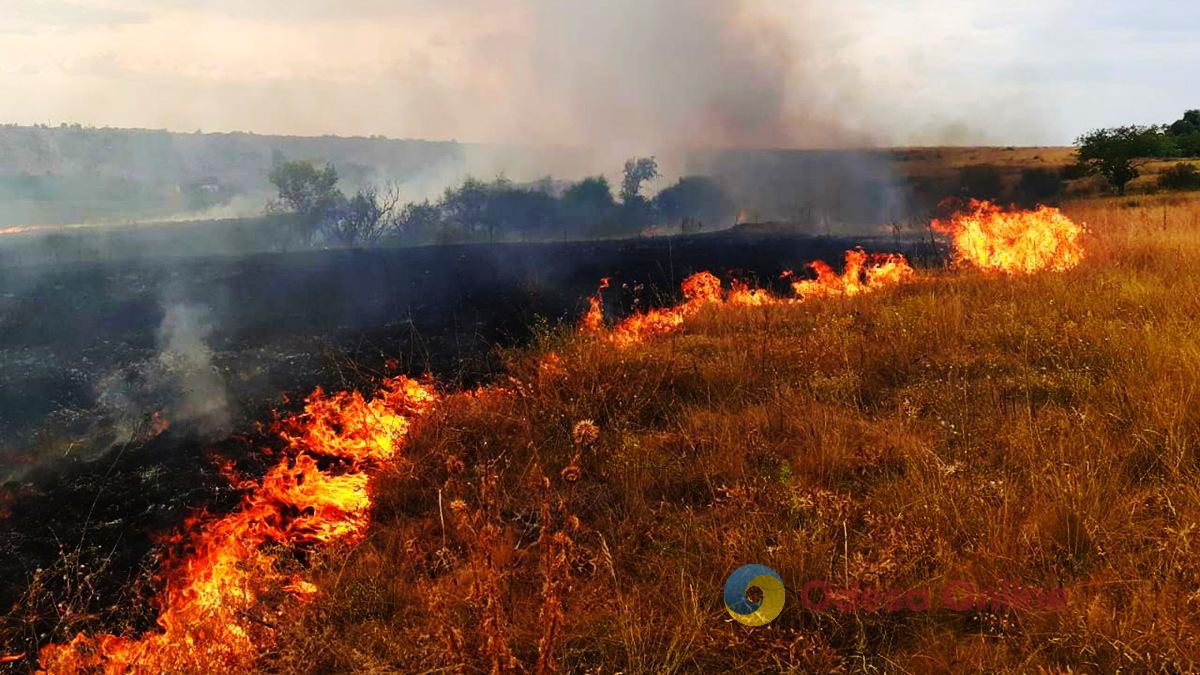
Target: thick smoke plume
column 680, row 73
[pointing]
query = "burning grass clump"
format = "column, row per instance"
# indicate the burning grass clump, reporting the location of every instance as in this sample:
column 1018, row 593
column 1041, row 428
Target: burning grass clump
column 1039, row 430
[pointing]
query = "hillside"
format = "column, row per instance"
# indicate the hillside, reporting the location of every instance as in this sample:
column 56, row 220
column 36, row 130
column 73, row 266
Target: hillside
column 71, row 174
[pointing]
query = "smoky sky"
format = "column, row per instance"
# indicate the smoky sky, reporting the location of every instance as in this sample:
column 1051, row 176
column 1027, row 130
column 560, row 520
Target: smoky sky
column 618, row 73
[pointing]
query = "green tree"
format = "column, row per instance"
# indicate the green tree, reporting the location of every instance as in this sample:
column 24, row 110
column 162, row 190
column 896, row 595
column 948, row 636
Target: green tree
column 1112, row 152
column 305, row 189
column 466, row 205
column 588, row 202
column 1188, row 124
column 694, row 198
column 1185, row 134
column 637, row 171
column 363, row 219
column 419, row 222
column 307, row 194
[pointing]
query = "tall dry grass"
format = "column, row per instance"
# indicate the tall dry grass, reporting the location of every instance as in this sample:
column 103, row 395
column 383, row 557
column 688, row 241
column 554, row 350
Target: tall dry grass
column 1040, row 429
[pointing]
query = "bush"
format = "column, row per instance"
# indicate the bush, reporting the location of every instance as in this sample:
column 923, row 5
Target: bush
column 1182, row 176
column 1188, row 144
column 695, row 199
column 1039, row 186
column 1076, row 171
column 981, row 181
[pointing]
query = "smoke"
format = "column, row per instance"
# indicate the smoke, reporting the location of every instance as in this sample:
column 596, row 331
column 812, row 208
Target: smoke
column 683, row 74
column 181, row 384
column 186, row 358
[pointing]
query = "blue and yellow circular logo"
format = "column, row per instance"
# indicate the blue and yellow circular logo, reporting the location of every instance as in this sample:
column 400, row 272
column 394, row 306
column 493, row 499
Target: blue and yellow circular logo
column 742, row 608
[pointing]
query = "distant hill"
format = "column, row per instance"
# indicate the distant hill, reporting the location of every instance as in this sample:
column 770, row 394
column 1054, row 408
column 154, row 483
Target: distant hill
column 74, row 174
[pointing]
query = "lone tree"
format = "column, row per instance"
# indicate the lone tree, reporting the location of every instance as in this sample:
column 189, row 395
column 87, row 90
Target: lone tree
column 637, row 171
column 305, row 191
column 1111, row 152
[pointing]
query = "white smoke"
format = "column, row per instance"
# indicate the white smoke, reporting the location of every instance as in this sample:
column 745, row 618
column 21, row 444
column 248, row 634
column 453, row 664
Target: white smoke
column 182, row 382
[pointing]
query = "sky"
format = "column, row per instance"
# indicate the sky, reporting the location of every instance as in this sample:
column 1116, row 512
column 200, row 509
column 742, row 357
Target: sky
column 687, row 73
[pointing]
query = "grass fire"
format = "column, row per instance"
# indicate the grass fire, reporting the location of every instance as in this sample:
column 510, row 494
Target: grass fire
column 719, row 347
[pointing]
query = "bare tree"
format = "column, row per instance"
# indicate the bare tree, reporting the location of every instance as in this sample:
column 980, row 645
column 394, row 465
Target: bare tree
column 364, row 218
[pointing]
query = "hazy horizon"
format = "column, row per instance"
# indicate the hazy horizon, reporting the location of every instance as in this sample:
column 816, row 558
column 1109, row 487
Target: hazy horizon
column 623, row 74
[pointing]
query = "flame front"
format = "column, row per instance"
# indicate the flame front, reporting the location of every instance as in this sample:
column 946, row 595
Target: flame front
column 1014, row 241
column 698, row 290
column 863, row 273
column 223, row 596
column 593, row 320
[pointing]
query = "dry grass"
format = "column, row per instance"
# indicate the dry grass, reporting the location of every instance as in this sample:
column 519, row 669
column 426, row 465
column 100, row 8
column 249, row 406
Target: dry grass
column 924, row 161
column 1043, row 429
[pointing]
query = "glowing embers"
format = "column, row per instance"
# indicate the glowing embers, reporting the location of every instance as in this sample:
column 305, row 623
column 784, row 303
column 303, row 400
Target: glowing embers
column 1013, row 241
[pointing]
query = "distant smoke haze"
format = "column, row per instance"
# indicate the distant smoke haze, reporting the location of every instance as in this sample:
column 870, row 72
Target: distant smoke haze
column 629, row 73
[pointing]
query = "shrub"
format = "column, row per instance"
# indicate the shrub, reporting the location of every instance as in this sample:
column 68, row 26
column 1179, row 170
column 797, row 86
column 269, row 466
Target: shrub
column 1076, row 171
column 1039, row 186
column 1182, row 176
column 981, row 181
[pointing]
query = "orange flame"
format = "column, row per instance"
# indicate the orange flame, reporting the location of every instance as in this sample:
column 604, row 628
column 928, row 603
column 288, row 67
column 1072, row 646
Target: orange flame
column 220, row 599
column 222, row 596
column 743, row 295
column 159, row 423
column 698, row 290
column 1013, row 241
column 863, row 272
column 593, row 320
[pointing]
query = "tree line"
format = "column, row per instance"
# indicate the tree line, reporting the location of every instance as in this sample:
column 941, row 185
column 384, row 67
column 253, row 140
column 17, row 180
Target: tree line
column 489, row 210
column 1114, row 152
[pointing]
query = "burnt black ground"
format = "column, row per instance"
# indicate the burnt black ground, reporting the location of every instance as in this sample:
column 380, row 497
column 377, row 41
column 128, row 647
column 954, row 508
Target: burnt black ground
column 281, row 324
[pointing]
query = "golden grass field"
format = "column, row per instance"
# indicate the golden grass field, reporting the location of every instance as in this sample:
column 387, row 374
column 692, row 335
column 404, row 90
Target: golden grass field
column 946, row 162
column 1040, row 429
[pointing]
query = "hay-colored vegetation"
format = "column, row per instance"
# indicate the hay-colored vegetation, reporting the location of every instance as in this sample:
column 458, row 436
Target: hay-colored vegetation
column 1041, row 429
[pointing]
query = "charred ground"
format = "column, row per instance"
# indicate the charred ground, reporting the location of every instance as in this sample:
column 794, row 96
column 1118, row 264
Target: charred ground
column 88, row 492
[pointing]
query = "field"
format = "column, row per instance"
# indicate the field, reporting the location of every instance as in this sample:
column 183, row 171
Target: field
column 76, row 339
column 1040, row 430
column 582, row 510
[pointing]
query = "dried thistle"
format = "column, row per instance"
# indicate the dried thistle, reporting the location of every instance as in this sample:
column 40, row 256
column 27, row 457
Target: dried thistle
column 572, row 472
column 585, row 433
